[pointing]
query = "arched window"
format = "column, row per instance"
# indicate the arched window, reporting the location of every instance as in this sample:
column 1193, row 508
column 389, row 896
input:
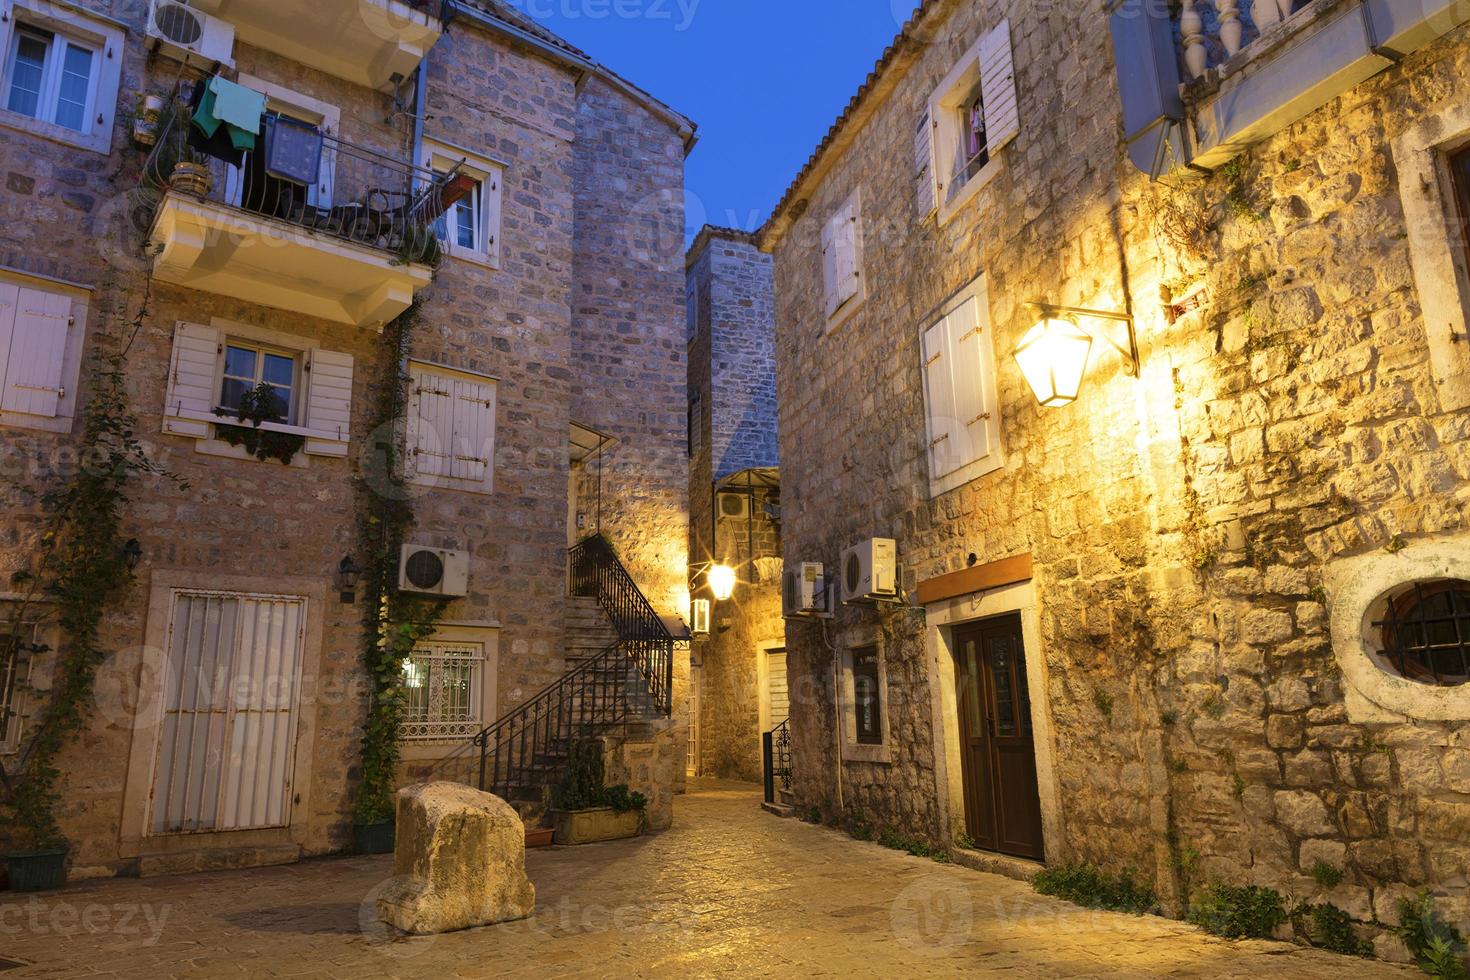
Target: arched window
column 1423, row 632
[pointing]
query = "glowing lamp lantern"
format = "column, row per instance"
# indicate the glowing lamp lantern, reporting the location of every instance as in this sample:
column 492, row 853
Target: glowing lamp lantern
column 721, row 579
column 1053, row 358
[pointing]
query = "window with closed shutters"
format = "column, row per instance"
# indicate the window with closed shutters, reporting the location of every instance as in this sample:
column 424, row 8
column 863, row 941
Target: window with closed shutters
column 451, row 429
column 843, row 283
column 40, row 355
column 961, row 400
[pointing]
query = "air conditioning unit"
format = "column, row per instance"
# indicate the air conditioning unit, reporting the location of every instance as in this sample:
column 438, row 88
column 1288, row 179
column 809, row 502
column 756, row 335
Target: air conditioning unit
column 183, row 33
column 734, row 506
column 870, row 570
column 804, row 590
column 434, row 571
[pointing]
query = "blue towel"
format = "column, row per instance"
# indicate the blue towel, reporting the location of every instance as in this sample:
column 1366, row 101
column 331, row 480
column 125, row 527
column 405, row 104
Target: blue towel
column 293, row 150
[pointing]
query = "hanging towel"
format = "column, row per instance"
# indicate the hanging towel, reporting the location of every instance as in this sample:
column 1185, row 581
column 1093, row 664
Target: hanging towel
column 293, row 150
column 217, row 142
column 236, row 105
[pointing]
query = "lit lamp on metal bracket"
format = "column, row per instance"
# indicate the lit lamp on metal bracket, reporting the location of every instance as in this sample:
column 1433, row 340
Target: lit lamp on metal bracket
column 1053, row 354
column 720, row 578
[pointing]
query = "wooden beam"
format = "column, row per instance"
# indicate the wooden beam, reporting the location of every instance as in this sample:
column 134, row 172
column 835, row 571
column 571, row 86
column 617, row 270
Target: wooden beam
column 979, row 578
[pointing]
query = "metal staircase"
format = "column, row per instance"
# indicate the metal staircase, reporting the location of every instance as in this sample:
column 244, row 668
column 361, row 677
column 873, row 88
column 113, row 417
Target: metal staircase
column 525, row 752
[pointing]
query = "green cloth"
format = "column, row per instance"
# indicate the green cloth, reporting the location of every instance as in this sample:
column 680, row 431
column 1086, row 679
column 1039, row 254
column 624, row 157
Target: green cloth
column 234, row 106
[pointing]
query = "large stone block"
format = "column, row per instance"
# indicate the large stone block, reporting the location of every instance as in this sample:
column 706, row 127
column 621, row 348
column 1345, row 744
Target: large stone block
column 460, row 861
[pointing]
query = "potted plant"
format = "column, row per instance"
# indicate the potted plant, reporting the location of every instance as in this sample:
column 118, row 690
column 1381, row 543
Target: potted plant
column 584, row 811
column 35, row 858
column 373, row 824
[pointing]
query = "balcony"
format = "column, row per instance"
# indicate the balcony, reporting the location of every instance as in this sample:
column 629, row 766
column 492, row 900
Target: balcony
column 352, row 248
column 376, row 43
column 1202, row 84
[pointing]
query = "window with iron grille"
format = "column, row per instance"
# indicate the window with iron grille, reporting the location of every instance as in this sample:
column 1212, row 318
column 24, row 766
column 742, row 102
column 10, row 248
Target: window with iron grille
column 1423, row 632
column 1460, row 173
column 867, row 699
column 442, row 684
column 9, row 660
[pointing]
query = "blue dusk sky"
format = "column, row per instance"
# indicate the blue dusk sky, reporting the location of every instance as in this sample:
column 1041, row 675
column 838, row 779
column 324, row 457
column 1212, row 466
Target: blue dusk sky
column 763, row 79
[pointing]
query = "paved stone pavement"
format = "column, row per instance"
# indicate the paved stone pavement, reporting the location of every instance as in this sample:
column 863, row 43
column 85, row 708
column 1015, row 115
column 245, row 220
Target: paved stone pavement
column 729, row 891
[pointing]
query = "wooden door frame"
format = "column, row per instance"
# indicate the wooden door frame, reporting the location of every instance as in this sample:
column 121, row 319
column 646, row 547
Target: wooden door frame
column 941, row 618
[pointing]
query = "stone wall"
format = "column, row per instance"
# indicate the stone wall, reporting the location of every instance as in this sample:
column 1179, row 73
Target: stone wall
column 583, row 329
column 1182, row 524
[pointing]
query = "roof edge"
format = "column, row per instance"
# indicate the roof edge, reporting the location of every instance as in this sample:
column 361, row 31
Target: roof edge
column 710, row 233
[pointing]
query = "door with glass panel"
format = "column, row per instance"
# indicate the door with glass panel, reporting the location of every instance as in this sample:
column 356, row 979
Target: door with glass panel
column 997, row 745
column 226, row 748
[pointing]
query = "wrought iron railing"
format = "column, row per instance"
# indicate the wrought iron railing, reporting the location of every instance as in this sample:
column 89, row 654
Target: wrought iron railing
column 360, row 195
column 525, row 752
column 1211, row 32
column 776, row 753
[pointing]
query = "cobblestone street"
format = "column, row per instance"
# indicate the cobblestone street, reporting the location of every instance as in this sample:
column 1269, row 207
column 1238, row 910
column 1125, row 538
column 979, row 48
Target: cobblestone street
column 729, row 891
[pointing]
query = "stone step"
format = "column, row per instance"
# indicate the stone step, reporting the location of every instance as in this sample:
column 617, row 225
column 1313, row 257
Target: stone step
column 779, row 809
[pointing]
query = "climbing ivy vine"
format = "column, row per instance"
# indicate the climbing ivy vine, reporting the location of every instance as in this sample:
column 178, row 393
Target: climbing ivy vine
column 81, row 566
column 393, row 621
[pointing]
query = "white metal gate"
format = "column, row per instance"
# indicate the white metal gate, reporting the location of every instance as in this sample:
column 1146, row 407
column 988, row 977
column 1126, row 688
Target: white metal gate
column 227, row 741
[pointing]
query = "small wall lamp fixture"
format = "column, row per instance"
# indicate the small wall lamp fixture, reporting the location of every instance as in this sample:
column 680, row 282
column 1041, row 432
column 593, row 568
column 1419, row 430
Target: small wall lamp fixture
column 1053, row 354
column 132, row 553
column 721, row 579
column 699, row 617
column 348, row 573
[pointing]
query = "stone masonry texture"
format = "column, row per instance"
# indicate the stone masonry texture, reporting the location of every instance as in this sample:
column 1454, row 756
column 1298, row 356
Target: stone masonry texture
column 581, row 322
column 1179, row 523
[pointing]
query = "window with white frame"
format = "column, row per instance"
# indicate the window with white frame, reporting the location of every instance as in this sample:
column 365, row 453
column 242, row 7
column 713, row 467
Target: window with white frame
column 442, row 691
column 961, row 400
column 214, row 366
column 450, row 431
column 61, row 72
column 972, row 114
column 843, row 287
column 247, row 366
column 471, row 225
column 41, row 332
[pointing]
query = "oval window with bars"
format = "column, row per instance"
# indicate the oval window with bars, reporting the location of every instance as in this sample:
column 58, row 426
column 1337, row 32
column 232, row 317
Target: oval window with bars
column 1422, row 632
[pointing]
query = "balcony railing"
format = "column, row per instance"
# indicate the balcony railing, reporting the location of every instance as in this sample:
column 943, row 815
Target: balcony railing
column 361, row 195
column 1211, row 32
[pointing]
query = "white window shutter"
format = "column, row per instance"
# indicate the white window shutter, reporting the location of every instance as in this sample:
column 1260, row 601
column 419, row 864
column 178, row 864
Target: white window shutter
column 328, row 402
column 191, row 397
column 939, row 399
column 37, row 353
column 973, row 379
column 830, row 289
column 998, row 88
column 430, row 426
column 473, row 441
column 492, row 191
column 9, row 303
column 846, row 244
column 925, row 189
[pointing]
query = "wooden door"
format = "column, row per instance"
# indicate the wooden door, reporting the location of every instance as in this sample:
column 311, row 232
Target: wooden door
column 998, row 748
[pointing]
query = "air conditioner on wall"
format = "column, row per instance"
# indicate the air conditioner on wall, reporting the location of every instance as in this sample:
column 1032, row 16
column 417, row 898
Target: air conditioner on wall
column 183, row 33
column 804, row 590
column 870, row 571
column 434, row 571
column 734, row 506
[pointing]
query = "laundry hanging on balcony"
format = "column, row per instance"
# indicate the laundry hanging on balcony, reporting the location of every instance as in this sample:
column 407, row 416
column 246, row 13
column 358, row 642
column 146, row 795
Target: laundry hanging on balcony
column 218, row 143
column 293, row 150
column 231, row 109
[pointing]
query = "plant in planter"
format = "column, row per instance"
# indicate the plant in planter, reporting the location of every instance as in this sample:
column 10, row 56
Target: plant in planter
column 584, row 811
column 260, row 404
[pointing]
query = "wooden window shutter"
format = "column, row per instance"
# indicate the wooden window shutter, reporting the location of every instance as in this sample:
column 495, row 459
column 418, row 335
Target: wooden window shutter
column 473, row 439
column 938, row 399
column 830, row 288
column 328, row 402
column 846, row 239
column 38, row 323
column 998, row 88
column 492, row 191
column 430, row 425
column 191, row 397
column 926, row 191
column 973, row 372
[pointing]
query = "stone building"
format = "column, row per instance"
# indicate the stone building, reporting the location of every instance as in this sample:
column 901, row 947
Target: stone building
column 739, row 685
column 1198, row 615
column 547, row 334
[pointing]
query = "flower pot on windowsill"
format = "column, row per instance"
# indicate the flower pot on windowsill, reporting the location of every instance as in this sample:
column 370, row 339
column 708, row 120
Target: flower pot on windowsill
column 35, row 871
column 598, row 824
column 191, row 178
column 373, row 838
column 539, row 836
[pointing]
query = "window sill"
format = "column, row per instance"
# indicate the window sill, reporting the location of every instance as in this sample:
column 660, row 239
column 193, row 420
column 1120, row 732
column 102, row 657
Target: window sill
column 61, row 425
column 965, row 475
column 222, row 449
column 878, row 755
column 972, row 187
column 846, row 311
column 472, row 257
column 450, row 483
column 98, row 142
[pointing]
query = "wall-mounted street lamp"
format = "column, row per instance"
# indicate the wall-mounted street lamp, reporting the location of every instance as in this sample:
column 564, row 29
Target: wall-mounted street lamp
column 721, row 580
column 348, row 573
column 699, row 617
column 132, row 554
column 1053, row 354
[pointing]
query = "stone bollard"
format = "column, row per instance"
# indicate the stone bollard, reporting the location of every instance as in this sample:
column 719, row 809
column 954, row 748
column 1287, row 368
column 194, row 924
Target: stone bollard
column 459, row 861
